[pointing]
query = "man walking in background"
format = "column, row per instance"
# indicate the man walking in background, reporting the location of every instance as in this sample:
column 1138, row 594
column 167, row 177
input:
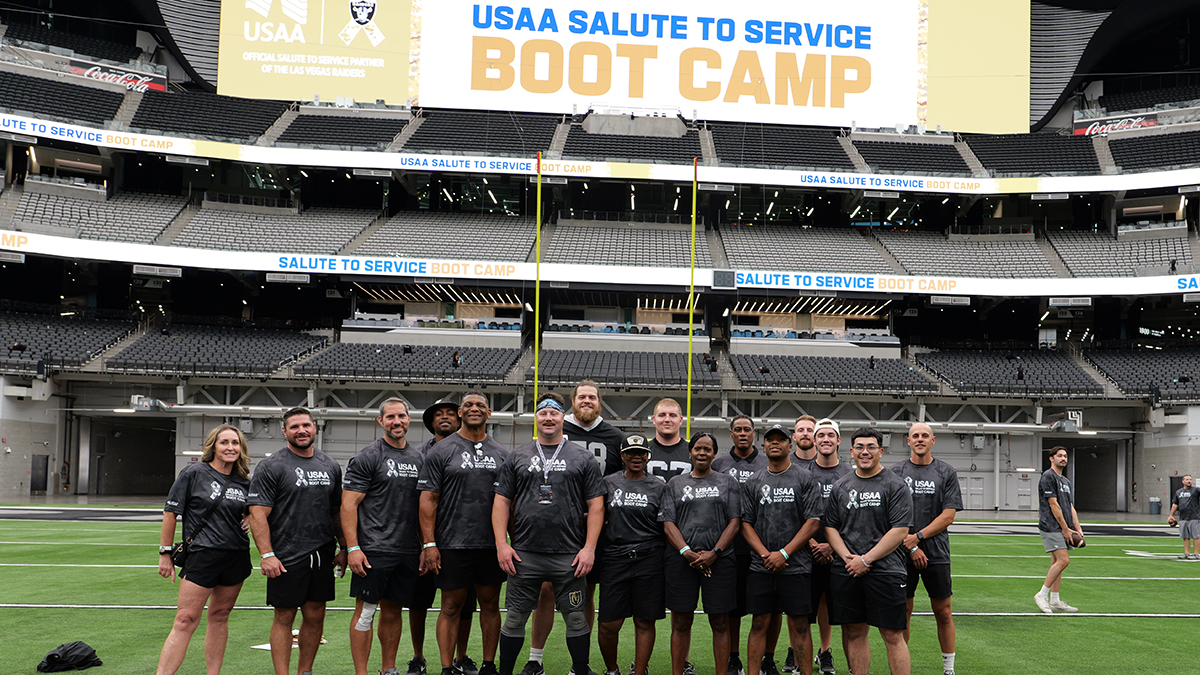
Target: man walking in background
column 1058, row 523
column 1185, row 510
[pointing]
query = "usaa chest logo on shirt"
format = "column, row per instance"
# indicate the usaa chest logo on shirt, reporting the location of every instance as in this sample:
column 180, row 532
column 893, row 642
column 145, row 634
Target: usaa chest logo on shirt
column 400, row 469
column 535, row 464
column 739, row 475
column 920, row 487
column 632, row 500
column 470, row 461
column 700, row 493
column 312, row 478
column 859, row 500
column 826, row 490
column 235, row 494
column 779, row 495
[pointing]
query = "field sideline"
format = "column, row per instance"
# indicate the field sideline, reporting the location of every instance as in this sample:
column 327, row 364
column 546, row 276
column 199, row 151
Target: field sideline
column 1132, row 595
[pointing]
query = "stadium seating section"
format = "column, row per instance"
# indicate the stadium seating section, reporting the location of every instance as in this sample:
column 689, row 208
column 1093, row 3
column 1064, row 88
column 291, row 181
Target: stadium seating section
column 1175, row 372
column 213, row 351
column 885, row 157
column 70, row 342
column 53, row 98
column 358, row 132
column 126, row 216
column 657, row 149
column 195, row 113
column 82, row 46
column 634, row 246
column 778, row 145
column 816, row 249
column 483, row 133
column 1011, row 373
column 433, row 235
column 1135, row 100
column 830, row 374
column 315, row 230
column 1035, row 154
column 625, row 369
column 932, row 253
column 399, row 363
column 1100, row 255
column 1155, row 152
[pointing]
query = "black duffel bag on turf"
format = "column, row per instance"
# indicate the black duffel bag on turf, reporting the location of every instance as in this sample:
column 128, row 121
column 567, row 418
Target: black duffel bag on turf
column 71, row 656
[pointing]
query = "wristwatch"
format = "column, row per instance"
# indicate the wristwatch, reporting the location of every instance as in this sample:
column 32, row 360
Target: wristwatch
column 920, row 536
column 716, row 549
column 165, row 550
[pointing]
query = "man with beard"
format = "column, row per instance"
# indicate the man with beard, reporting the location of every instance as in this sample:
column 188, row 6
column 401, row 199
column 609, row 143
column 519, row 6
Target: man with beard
column 586, row 427
column 742, row 462
column 669, row 455
column 806, row 449
column 456, row 514
column 826, row 471
column 379, row 513
column 1058, row 523
column 296, row 497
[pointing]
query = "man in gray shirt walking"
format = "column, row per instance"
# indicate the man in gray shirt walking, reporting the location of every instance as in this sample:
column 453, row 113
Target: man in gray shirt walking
column 1185, row 510
column 1058, row 523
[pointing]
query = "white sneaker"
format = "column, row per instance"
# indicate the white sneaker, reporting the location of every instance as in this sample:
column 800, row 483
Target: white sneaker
column 1062, row 607
column 1043, row 604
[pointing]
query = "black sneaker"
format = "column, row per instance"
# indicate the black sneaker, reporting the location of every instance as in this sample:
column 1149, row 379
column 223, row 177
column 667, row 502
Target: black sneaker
column 447, row 671
column 735, row 665
column 768, row 667
column 465, row 666
column 825, row 660
column 688, row 668
column 789, row 661
column 633, row 669
column 488, row 668
column 417, row 667
column 533, row 668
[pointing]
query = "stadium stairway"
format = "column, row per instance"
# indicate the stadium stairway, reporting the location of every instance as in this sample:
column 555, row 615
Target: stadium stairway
column 280, row 125
column 1108, row 166
column 884, row 253
column 1110, row 388
column 1193, row 242
column 969, row 157
column 729, row 378
column 547, row 234
column 944, row 388
column 559, row 140
column 172, row 230
column 406, row 133
column 716, row 249
column 516, row 376
column 97, row 364
column 860, row 164
column 1052, row 256
column 128, row 108
column 708, row 148
column 363, row 236
column 10, row 199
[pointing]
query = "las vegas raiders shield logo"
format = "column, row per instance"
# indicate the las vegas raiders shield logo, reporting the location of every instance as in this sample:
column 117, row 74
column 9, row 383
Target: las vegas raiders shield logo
column 362, row 11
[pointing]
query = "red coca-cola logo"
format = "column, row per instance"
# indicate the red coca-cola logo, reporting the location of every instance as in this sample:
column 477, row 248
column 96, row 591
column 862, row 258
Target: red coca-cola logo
column 132, row 81
column 1109, row 125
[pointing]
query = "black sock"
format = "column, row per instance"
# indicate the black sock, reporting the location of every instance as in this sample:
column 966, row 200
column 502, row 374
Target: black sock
column 579, row 647
column 733, row 654
column 490, row 663
column 510, row 649
column 768, row 656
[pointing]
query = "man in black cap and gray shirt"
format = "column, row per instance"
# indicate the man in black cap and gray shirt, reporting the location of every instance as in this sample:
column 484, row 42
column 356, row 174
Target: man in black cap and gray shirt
column 456, row 525
column 867, row 516
column 742, row 462
column 379, row 517
column 937, row 498
column 780, row 513
column 295, row 515
column 551, row 495
column 826, row 470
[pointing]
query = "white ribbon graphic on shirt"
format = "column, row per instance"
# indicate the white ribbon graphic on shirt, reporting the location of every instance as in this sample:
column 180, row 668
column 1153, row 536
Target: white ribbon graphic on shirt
column 392, row 471
column 687, row 493
column 535, row 464
column 766, row 492
column 216, row 490
column 908, row 479
column 301, row 481
column 467, row 462
column 853, row 500
column 362, row 18
column 616, row 500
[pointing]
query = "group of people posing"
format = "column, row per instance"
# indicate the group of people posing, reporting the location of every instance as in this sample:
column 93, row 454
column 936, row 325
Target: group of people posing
column 657, row 523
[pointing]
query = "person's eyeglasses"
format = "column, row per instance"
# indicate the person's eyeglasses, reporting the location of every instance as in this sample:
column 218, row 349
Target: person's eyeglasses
column 872, row 448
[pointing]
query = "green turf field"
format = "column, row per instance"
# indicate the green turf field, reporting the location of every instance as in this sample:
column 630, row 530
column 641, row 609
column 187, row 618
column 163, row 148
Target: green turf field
column 51, row 562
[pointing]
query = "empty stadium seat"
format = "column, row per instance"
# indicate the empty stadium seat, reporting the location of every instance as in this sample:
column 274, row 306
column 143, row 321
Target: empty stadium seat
column 80, row 44
column 658, row 149
column 778, row 145
column 932, row 253
column 355, row 361
column 1175, row 373
column 195, row 113
column 1145, row 153
column 69, row 341
column 315, row 230
column 1035, row 154
column 494, row 133
column 1011, row 373
column 940, row 158
column 633, row 246
column 213, row 351
column 1089, row 254
column 801, row 249
column 851, row 375
column 357, row 131
column 58, row 99
column 623, row 368
column 435, row 234
column 126, row 216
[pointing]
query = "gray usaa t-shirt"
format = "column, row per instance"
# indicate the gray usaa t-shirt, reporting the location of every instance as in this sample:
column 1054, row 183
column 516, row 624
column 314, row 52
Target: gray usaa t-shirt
column 387, row 515
column 862, row 510
column 464, row 476
column 559, row 526
column 777, row 506
column 631, row 513
column 195, row 491
column 934, row 489
column 303, row 494
column 740, row 469
column 701, row 508
column 1054, row 485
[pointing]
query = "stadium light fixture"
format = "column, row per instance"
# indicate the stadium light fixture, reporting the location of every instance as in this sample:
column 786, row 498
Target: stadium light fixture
column 1087, row 432
column 1044, row 316
column 192, row 453
column 725, row 313
column 856, row 210
column 945, row 200
column 124, row 411
column 893, row 212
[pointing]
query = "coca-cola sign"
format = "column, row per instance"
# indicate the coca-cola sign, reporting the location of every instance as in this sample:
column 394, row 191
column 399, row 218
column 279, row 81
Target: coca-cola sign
column 130, row 79
column 1108, row 124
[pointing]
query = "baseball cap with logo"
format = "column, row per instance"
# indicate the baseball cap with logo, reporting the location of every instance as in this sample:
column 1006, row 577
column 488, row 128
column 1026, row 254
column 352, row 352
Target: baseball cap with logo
column 635, row 443
column 826, row 423
column 778, row 428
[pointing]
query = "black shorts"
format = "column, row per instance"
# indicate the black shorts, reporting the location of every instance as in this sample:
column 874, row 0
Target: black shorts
column 633, row 585
column 390, row 577
column 423, row 592
column 875, row 599
column 935, row 577
column 741, row 562
column 209, row 568
column 469, row 567
column 309, row 579
column 768, row 593
column 594, row 576
column 819, row 588
column 684, row 584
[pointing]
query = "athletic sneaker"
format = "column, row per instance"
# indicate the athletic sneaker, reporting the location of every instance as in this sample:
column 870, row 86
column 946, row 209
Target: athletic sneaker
column 417, row 666
column 533, row 668
column 1063, row 607
column 590, row 672
column 392, row 671
column 825, row 662
column 1185, row 556
column 768, row 667
column 789, row 661
column 488, row 668
column 633, row 668
column 1043, row 603
column 688, row 668
column 735, row 665
column 947, row 672
column 1194, row 556
column 465, row 666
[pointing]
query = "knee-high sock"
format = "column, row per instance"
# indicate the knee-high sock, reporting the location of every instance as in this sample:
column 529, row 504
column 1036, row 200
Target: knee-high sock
column 510, row 649
column 580, row 646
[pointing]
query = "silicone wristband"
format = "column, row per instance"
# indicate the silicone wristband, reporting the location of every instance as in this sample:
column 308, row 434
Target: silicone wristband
column 431, row 544
column 353, row 548
column 267, row 555
column 685, row 549
column 784, row 554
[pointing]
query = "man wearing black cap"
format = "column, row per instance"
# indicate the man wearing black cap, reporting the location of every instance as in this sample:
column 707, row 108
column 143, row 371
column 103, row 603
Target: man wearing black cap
column 779, row 516
column 441, row 419
column 456, row 511
column 550, row 495
column 742, row 462
column 632, row 577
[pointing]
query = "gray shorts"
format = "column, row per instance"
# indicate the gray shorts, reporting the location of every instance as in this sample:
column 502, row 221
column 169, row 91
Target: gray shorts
column 1189, row 529
column 524, row 588
column 1054, row 541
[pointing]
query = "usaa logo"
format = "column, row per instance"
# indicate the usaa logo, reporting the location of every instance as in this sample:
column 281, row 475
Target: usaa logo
column 271, row 31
